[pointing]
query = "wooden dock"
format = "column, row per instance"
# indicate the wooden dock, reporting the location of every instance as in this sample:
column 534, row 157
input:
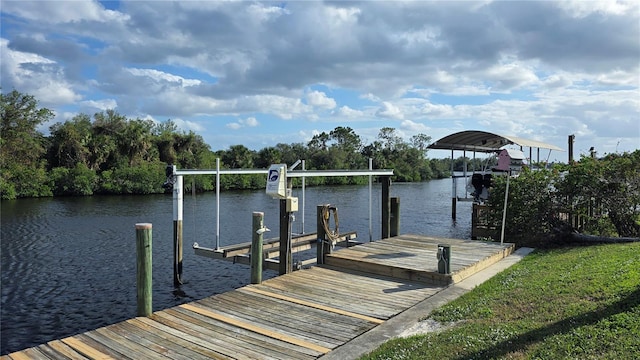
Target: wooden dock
column 302, row 315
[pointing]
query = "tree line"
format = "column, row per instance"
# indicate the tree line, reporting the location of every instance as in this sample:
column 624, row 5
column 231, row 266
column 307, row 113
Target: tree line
column 111, row 154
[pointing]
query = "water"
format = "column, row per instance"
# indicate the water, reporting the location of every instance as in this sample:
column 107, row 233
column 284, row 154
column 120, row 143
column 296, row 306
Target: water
column 69, row 265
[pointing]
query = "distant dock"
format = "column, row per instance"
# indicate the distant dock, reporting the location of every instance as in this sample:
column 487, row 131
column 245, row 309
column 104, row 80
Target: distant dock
column 301, row 315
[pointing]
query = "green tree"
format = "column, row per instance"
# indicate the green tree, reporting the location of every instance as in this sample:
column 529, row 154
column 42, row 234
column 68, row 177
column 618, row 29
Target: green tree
column 238, row 157
column 22, row 147
column 136, row 142
column 543, row 204
column 69, row 142
column 164, row 139
column 420, row 142
column 390, row 139
column 606, row 189
column 267, row 156
column 108, row 140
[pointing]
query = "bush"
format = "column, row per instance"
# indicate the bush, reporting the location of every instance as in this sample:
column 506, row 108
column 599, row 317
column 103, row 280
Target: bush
column 143, row 179
column 23, row 181
column 77, row 181
column 593, row 196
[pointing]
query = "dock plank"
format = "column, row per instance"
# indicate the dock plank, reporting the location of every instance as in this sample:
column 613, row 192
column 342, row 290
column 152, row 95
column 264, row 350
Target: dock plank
column 314, row 305
column 89, row 351
column 250, row 338
column 349, row 301
column 302, row 315
column 356, row 288
column 257, row 329
column 271, row 309
column 64, row 349
column 185, row 340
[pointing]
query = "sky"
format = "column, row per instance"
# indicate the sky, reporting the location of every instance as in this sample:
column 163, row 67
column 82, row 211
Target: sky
column 261, row 73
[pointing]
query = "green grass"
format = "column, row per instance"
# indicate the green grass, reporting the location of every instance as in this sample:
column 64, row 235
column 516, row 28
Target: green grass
column 568, row 303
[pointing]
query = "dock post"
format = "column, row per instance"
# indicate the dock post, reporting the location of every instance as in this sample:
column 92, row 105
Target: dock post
column 386, row 206
column 321, row 234
column 286, row 260
column 177, row 230
column 256, row 247
column 144, row 268
column 394, row 229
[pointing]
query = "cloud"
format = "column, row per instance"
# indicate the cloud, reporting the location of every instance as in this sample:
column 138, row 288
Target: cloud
column 413, row 127
column 347, row 112
column 542, row 68
column 91, row 106
column 388, row 110
column 163, row 77
column 52, row 12
column 320, row 100
column 35, row 74
column 187, row 125
column 248, row 122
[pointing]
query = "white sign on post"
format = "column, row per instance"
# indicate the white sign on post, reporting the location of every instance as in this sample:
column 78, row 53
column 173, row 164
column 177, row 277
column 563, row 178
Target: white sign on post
column 277, row 181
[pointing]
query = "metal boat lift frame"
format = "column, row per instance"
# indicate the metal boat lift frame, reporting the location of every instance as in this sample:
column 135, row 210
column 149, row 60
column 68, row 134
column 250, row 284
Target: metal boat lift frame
column 175, row 178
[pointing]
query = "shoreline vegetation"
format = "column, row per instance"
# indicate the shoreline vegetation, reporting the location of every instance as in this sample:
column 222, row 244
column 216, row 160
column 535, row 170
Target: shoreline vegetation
column 111, row 154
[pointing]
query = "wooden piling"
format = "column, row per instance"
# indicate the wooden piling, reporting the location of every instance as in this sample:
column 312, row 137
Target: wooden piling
column 321, row 234
column 256, row 247
column 386, row 206
column 144, row 268
column 394, row 229
column 286, row 262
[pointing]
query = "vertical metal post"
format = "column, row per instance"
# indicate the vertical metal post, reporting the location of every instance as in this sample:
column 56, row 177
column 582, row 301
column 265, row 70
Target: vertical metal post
column 303, row 194
column 453, row 190
column 257, row 229
column 370, row 200
column 504, row 211
column 394, row 229
column 177, row 230
column 144, row 269
column 386, row 206
column 217, row 203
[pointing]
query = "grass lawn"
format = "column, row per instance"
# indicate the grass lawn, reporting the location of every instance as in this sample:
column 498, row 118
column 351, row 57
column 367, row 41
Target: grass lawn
column 567, row 303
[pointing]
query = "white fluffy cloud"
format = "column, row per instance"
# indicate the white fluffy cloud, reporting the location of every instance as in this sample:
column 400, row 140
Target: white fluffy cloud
column 422, row 66
column 320, row 100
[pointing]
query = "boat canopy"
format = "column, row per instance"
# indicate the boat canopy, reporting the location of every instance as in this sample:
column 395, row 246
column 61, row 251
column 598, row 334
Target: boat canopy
column 483, row 141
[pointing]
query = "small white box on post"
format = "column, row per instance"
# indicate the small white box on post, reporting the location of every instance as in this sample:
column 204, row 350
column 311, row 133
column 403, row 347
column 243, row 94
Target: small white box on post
column 277, row 181
column 292, row 204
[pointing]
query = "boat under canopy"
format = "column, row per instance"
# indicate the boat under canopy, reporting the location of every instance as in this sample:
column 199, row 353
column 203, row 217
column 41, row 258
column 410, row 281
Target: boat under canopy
column 483, row 141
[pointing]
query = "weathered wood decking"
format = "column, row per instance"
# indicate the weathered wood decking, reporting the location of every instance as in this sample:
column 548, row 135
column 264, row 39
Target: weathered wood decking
column 301, row 315
column 413, row 257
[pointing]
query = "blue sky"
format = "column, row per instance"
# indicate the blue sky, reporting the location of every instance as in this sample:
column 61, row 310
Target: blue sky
column 261, row 73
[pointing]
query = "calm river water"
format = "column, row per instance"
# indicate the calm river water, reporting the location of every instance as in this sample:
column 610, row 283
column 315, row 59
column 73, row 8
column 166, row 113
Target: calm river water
column 69, row 264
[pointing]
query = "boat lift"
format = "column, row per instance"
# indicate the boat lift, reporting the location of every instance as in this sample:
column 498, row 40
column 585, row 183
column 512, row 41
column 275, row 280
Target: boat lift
column 175, row 182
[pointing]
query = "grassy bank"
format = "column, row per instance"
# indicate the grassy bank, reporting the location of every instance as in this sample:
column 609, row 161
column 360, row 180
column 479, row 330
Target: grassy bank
column 569, row 303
